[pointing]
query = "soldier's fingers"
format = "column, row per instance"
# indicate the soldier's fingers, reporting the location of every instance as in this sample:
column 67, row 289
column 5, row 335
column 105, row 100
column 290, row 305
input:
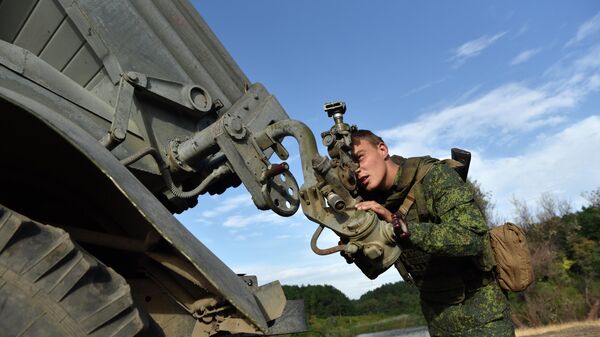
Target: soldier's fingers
column 364, row 205
column 369, row 204
column 381, row 211
column 378, row 209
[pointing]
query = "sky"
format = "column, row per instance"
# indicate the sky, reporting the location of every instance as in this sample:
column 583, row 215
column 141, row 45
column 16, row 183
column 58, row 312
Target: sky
column 514, row 82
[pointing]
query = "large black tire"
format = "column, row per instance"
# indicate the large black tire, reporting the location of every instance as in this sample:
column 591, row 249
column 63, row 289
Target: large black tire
column 51, row 287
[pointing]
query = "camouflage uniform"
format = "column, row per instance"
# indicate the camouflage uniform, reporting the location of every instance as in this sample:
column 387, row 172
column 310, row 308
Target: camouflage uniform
column 445, row 256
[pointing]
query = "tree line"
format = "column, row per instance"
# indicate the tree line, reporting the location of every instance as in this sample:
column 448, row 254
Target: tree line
column 326, row 301
column 565, row 251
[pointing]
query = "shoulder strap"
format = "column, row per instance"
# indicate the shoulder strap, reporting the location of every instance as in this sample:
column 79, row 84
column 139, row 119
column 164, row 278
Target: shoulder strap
column 416, row 168
column 404, row 272
column 403, row 182
column 410, row 169
column 421, row 204
column 422, row 171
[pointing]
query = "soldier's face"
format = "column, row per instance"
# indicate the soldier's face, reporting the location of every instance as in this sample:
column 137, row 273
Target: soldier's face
column 372, row 169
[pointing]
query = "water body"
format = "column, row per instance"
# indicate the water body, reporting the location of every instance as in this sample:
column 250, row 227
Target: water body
column 420, row 331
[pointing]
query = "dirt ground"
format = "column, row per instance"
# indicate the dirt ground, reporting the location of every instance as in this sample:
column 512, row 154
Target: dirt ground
column 575, row 329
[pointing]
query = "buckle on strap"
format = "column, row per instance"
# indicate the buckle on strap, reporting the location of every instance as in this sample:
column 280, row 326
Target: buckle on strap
column 407, row 204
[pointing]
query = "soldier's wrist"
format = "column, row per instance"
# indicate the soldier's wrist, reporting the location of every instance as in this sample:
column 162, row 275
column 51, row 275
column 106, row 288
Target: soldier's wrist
column 400, row 226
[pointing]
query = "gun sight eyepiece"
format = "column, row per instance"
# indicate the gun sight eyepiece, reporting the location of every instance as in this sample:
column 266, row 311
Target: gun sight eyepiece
column 333, row 108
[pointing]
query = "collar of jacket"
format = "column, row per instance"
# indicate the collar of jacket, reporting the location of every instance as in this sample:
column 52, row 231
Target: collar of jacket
column 404, row 180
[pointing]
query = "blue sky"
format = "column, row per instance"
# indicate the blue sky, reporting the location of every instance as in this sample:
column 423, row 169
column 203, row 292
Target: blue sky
column 514, row 82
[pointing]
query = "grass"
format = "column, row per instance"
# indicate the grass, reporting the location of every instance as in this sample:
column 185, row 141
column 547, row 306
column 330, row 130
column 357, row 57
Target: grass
column 349, row 326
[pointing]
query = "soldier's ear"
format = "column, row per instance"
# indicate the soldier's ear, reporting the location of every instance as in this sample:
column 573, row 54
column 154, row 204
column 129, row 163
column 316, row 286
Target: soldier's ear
column 383, row 150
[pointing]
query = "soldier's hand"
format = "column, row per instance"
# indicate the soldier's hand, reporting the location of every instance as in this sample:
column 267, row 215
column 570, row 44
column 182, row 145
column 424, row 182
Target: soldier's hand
column 381, row 211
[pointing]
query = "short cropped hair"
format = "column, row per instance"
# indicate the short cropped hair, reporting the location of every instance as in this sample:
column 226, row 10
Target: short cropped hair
column 366, row 135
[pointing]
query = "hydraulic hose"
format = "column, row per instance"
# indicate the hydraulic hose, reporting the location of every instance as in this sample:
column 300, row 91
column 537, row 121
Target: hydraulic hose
column 166, row 174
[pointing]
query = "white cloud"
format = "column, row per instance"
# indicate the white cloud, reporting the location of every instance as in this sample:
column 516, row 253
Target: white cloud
column 421, row 88
column 502, row 111
column 505, row 112
column 267, row 217
column 331, row 270
column 587, row 29
column 524, row 28
column 524, row 56
column 564, row 164
column 474, row 47
column 228, row 205
column 467, row 95
column 203, row 221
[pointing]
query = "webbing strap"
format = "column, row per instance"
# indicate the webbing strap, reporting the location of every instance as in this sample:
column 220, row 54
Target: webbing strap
column 410, row 197
column 404, row 272
column 407, row 204
column 404, row 208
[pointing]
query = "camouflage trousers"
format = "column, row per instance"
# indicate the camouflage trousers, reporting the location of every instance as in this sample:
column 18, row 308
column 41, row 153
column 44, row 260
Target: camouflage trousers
column 484, row 312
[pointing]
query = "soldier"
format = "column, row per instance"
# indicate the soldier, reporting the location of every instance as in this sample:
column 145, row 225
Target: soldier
column 445, row 254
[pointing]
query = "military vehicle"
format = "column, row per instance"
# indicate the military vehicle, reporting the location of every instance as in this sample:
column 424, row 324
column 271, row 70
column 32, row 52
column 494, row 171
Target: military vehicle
column 114, row 115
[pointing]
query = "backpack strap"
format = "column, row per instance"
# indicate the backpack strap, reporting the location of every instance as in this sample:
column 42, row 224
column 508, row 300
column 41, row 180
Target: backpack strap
column 404, row 272
column 416, row 191
column 422, row 171
column 424, row 215
column 409, row 169
column 459, row 167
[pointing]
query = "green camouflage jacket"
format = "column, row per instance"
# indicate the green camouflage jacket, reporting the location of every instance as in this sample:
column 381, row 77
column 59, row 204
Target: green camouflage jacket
column 446, row 255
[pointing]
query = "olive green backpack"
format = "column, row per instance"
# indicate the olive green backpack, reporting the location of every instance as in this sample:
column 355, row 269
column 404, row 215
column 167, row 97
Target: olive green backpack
column 513, row 261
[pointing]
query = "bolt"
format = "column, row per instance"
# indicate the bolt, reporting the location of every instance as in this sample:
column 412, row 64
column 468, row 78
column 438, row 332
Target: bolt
column 132, row 76
column 119, row 133
column 236, row 124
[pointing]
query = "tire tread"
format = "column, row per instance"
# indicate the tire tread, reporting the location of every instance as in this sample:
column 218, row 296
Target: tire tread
column 93, row 296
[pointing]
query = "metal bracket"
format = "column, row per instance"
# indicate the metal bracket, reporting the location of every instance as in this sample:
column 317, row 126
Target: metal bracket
column 118, row 128
column 190, row 98
column 194, row 99
column 264, row 141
